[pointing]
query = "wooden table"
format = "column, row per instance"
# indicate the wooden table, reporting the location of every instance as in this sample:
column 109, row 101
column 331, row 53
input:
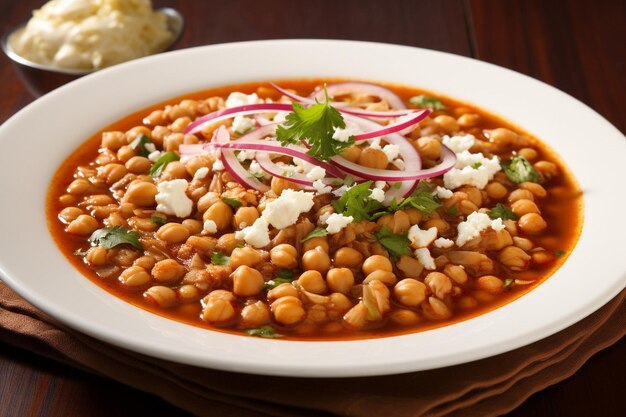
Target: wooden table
column 576, row 46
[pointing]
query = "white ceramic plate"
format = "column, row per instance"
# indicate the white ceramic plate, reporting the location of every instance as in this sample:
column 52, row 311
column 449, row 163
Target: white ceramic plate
column 36, row 140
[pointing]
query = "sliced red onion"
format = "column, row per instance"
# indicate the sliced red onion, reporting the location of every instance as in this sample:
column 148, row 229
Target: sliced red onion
column 394, row 101
column 201, row 122
column 395, row 127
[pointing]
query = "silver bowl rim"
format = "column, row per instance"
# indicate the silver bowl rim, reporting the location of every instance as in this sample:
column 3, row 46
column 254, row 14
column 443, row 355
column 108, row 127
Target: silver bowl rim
column 172, row 15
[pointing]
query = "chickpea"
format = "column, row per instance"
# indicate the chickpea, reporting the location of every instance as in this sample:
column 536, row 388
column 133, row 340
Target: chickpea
column 347, row 257
column 312, row 281
column 180, row 124
column 386, row 277
column 188, row 293
column 67, row 199
column 503, row 136
column 96, row 256
column 536, row 189
column 456, row 273
column 202, row 244
column 220, row 213
column 113, row 140
column 284, row 256
column 373, row 158
column 467, row 302
column 78, row 186
column 352, row 153
column 245, row 256
column 436, row 309
column 227, row 243
column 255, row 314
column 340, row 280
column 146, row 262
column 542, row 257
column 409, row 266
column 410, row 292
column 138, row 165
column 280, row 184
column 447, row 123
column 473, row 194
column 529, row 153
column 520, row 194
column 288, row 310
column 515, row 258
column 111, row 173
column 247, row 282
column 442, row 226
column 135, row 131
column 194, row 226
column 415, row 216
column 376, row 263
column 404, row 317
column 173, row 140
column 439, row 284
column 141, row 193
column 532, row 223
column 83, row 225
column 173, row 233
column 468, row 120
column 491, row 284
column 160, row 296
column 315, row 242
column 523, row 206
column 283, row 290
column 134, row 276
column 207, row 201
column 428, row 148
column 316, row 259
column 125, row 153
column 217, row 310
column 168, row 270
column 245, row 216
column 340, row 302
column 523, row 243
column 496, row 190
column 69, row 213
column 547, row 169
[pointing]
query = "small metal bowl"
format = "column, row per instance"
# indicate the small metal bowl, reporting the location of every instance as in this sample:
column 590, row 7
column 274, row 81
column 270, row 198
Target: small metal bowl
column 40, row 78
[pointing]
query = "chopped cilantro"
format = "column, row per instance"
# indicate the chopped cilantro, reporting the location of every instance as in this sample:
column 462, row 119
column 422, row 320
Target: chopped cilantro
column 502, row 211
column 139, row 144
column 356, row 202
column 452, row 210
column 423, row 199
column 519, row 170
column 158, row 220
column 240, row 245
column 560, row 252
column 275, row 282
column 477, row 165
column 157, row 169
column 285, row 274
column 427, row 102
column 232, row 202
column 348, row 181
column 264, row 331
column 110, row 237
column 218, row 258
column 315, row 123
column 317, row 232
column 508, row 282
column 396, row 245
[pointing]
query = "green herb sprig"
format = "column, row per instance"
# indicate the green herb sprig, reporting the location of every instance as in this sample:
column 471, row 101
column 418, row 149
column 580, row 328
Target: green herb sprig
column 109, row 237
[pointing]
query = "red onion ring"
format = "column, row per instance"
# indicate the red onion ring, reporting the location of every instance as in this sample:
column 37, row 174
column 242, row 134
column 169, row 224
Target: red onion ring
column 369, row 89
column 395, row 127
column 201, row 122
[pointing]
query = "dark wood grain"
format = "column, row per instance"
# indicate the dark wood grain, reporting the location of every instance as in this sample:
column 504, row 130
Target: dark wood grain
column 577, row 46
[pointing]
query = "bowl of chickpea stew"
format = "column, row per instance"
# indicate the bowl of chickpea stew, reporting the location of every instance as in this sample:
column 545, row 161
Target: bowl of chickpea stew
column 415, row 219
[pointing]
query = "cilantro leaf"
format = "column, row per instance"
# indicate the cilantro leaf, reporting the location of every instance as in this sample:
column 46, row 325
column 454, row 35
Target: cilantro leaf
column 218, row 258
column 477, row 165
column 315, row 123
column 427, row 102
column 157, row 169
column 356, row 202
column 158, row 220
column 508, row 282
column 423, row 199
column 317, row 232
column 501, row 211
column 110, row 237
column 275, row 282
column 452, row 210
column 396, row 245
column 519, row 170
column 264, row 331
column 232, row 202
column 285, row 274
column 560, row 252
column 139, row 144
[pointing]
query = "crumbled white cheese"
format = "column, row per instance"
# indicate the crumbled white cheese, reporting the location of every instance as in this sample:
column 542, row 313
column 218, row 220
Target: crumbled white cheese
column 245, row 155
column 443, row 193
column 154, row 156
column 317, row 173
column 321, row 187
column 471, row 169
column 172, row 199
column 324, row 217
column 201, row 173
column 377, row 194
column 423, row 256
column 474, row 225
column 460, row 143
column 150, row 147
column 285, row 210
column 335, row 222
column 256, row 235
column 302, row 165
column 341, row 191
column 256, row 170
column 398, row 163
column 422, row 238
column 210, row 227
column 236, row 99
column 442, row 242
column 392, row 151
column 375, row 143
column 380, row 184
column 218, row 165
column 242, row 124
column 343, row 135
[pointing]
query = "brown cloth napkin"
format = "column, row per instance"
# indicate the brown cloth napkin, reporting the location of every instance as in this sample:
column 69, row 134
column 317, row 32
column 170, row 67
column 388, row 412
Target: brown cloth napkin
column 488, row 387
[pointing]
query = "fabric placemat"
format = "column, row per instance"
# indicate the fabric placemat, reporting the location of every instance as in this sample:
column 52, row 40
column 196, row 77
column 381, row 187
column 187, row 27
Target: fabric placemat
column 489, row 387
